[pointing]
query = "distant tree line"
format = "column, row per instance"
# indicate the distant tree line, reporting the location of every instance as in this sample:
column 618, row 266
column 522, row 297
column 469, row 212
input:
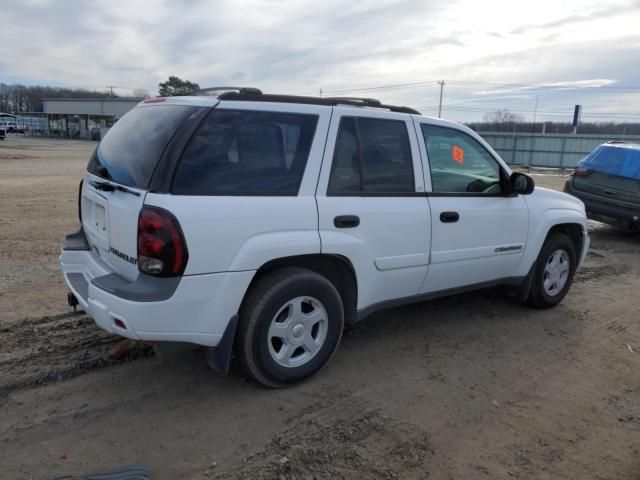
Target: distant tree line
column 506, row 121
column 17, row 98
column 603, row 128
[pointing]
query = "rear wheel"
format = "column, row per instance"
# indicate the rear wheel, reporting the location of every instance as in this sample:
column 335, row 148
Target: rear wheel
column 290, row 325
column 554, row 272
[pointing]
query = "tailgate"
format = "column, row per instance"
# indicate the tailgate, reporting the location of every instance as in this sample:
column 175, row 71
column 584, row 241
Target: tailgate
column 110, row 221
column 117, row 179
column 613, row 187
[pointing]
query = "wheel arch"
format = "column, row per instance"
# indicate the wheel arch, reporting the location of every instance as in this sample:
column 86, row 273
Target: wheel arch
column 571, row 230
column 336, row 268
column 570, row 222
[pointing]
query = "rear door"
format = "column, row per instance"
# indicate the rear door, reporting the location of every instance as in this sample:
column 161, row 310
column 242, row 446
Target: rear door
column 371, row 203
column 117, row 179
column 479, row 232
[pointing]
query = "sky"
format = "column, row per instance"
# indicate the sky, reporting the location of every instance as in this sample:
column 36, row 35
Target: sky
column 535, row 58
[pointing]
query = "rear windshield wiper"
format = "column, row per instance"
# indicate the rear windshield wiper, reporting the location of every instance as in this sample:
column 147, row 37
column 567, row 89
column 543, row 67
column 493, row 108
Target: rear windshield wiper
column 110, row 187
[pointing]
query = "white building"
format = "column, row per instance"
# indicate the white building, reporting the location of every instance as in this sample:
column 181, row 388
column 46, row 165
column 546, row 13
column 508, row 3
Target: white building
column 80, row 117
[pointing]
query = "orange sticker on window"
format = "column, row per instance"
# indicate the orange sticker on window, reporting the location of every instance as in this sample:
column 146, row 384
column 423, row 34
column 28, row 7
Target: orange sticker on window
column 458, row 154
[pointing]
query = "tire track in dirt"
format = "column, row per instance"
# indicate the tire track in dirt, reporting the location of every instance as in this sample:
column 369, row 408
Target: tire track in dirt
column 340, row 436
column 36, row 351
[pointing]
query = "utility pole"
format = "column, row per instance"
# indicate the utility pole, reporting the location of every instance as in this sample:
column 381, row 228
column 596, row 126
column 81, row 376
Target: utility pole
column 441, row 83
column 533, row 129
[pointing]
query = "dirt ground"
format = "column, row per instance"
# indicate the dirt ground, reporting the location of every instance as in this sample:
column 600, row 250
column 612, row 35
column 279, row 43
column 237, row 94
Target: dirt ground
column 475, row 386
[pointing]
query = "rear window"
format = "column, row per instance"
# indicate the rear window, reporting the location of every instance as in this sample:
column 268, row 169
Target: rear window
column 129, row 152
column 620, row 161
column 239, row 152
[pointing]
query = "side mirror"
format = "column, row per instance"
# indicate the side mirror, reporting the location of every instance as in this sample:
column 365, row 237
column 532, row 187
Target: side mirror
column 519, row 183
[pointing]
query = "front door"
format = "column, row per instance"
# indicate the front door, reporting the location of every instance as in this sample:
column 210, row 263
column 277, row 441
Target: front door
column 478, row 231
column 371, row 202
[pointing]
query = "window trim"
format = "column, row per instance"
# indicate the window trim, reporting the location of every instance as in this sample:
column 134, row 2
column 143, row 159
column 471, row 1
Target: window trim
column 504, row 179
column 363, row 193
column 211, row 193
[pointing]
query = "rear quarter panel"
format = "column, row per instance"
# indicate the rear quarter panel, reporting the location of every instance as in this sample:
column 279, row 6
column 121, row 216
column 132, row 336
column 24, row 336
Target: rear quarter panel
column 237, row 233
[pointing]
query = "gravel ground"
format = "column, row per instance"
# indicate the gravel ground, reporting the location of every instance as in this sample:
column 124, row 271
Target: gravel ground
column 474, row 386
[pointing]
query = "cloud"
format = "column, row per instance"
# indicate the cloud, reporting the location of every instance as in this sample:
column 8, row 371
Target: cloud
column 300, row 46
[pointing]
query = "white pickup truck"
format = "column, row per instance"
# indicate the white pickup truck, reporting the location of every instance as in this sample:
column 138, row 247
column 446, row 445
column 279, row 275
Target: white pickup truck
column 260, row 224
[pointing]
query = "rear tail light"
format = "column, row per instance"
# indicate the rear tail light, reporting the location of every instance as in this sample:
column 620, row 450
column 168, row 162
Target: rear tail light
column 162, row 250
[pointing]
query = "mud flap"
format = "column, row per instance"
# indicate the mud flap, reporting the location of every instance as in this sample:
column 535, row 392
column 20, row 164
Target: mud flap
column 525, row 287
column 219, row 358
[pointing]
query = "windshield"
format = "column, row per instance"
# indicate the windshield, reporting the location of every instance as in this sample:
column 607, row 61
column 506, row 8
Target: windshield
column 129, row 152
column 622, row 161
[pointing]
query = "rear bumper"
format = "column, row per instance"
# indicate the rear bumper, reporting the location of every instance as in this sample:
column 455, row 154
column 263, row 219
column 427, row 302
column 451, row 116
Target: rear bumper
column 194, row 308
column 604, row 208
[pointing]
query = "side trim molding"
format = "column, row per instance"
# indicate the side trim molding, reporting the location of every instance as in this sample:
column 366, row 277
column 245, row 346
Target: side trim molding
column 423, row 297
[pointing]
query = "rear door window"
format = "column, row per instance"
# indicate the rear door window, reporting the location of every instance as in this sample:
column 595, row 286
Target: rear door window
column 240, row 152
column 371, row 156
column 130, row 151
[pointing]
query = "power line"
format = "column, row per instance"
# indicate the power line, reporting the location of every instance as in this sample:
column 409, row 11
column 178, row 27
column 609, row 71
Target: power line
column 545, row 86
column 568, row 114
column 551, row 112
column 398, row 86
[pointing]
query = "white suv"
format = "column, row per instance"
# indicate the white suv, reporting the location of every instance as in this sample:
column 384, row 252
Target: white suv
column 260, row 224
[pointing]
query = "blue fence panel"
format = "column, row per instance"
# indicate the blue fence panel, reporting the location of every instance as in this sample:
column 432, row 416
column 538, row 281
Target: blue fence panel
column 554, row 151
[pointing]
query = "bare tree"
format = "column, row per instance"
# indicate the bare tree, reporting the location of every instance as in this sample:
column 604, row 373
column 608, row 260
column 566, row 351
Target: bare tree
column 503, row 116
column 140, row 93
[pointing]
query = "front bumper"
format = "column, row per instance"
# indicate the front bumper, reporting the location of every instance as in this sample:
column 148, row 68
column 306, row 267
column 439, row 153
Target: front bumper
column 586, row 243
column 192, row 308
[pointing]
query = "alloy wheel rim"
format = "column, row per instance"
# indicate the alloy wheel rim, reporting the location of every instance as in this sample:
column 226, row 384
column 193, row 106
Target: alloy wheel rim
column 297, row 331
column 556, row 272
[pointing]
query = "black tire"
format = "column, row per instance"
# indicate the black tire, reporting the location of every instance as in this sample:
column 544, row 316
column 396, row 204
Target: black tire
column 265, row 299
column 538, row 296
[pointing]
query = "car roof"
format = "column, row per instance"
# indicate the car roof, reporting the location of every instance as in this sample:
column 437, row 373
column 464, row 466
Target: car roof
column 621, row 144
column 210, row 96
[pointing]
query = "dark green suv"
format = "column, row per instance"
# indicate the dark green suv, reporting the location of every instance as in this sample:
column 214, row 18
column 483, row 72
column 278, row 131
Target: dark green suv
column 608, row 182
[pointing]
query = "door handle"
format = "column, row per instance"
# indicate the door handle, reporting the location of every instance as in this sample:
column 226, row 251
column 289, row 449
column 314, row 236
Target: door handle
column 346, row 221
column 449, row 217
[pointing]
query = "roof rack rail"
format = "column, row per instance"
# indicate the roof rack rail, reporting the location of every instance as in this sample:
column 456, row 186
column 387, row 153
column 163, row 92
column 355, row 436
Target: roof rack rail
column 215, row 90
column 610, row 142
column 328, row 101
column 367, row 101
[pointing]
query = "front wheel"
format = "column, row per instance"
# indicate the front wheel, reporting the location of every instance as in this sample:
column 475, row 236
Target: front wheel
column 290, row 325
column 555, row 268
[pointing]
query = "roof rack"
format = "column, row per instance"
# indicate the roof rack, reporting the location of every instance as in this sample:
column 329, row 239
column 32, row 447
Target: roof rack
column 214, row 90
column 329, row 101
column 610, row 142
